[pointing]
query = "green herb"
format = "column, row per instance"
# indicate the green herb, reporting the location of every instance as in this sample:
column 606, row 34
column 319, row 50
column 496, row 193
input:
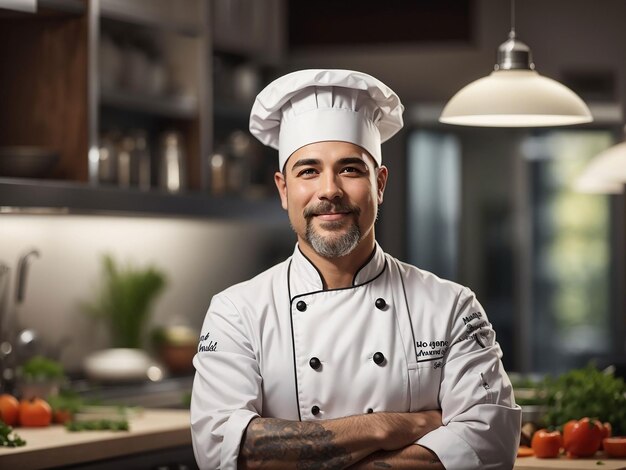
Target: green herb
column 125, row 300
column 586, row 392
column 97, row 425
column 9, row 438
column 39, row 367
column 66, row 400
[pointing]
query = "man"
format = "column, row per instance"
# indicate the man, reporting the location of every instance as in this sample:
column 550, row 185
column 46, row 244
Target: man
column 342, row 356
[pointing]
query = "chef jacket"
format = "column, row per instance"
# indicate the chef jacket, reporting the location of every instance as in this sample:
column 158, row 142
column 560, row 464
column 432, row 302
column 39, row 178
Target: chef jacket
column 399, row 339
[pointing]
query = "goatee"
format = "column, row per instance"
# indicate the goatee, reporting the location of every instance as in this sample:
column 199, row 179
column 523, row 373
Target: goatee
column 337, row 245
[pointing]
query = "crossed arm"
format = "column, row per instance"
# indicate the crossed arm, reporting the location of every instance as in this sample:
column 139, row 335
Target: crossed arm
column 370, row 441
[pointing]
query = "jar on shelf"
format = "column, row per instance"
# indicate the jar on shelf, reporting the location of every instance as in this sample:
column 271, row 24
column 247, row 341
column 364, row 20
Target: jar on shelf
column 142, row 158
column 218, row 169
column 172, row 165
column 107, row 158
column 126, row 165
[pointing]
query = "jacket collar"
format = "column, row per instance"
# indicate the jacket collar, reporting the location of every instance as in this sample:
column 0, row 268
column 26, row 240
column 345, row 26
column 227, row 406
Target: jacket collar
column 304, row 277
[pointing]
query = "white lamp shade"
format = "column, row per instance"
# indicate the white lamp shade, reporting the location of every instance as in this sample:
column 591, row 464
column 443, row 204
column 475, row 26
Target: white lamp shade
column 589, row 184
column 515, row 98
column 606, row 173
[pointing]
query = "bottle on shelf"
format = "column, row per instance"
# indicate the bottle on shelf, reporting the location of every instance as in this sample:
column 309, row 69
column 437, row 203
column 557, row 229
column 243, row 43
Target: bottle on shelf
column 172, row 168
column 142, row 157
column 107, row 158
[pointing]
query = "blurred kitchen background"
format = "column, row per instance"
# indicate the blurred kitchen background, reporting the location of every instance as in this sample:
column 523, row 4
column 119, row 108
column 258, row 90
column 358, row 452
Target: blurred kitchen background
column 123, row 131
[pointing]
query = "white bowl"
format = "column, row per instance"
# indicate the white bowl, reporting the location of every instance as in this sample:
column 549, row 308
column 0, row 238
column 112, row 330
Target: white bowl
column 118, row 364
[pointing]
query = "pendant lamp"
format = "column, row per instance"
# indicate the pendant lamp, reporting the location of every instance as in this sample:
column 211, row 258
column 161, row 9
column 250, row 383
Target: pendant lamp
column 515, row 95
column 605, row 173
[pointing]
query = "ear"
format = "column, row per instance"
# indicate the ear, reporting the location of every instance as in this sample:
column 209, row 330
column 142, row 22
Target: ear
column 281, row 185
column 381, row 182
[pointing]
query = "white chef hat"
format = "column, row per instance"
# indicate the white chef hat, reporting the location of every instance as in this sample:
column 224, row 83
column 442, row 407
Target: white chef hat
column 310, row 106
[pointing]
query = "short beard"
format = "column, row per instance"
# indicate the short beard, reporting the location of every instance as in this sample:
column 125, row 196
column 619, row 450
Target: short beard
column 332, row 246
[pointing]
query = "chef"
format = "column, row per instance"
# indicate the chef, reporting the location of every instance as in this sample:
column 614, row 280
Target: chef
column 342, row 356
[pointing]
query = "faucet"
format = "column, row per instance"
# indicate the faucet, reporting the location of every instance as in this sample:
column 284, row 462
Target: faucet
column 4, row 276
column 6, row 342
column 22, row 271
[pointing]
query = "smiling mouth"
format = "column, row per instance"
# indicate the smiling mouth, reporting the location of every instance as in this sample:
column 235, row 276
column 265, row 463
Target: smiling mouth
column 331, row 216
column 327, row 212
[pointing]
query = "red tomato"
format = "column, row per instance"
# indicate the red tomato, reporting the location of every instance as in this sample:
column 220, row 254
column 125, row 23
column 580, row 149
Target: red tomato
column 584, row 438
column 35, row 412
column 615, row 447
column 607, row 431
column 567, row 430
column 61, row 416
column 546, row 444
column 9, row 409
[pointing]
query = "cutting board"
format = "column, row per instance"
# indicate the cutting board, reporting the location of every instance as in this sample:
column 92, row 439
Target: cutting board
column 533, row 463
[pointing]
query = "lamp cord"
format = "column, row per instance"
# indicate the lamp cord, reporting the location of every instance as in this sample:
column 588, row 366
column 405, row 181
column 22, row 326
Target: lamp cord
column 512, row 32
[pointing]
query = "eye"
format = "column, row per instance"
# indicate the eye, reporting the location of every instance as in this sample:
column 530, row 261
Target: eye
column 307, row 172
column 352, row 169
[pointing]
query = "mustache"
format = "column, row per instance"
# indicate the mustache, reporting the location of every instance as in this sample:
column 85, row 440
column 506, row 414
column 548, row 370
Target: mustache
column 325, row 207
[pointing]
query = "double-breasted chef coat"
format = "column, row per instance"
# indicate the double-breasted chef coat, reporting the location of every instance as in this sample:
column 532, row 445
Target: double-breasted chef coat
column 400, row 339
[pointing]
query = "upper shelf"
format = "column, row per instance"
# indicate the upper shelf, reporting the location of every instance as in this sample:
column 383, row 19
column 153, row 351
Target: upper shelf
column 151, row 16
column 74, row 7
column 46, row 196
column 173, row 107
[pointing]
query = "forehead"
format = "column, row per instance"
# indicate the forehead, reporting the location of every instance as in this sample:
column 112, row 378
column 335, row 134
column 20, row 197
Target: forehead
column 329, row 152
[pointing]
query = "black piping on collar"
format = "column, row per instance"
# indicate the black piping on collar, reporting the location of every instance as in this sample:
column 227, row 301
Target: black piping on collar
column 293, row 342
column 340, row 288
column 369, row 258
column 319, row 273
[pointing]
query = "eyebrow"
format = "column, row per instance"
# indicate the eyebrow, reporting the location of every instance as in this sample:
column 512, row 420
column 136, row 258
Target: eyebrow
column 341, row 161
column 351, row 160
column 305, row 162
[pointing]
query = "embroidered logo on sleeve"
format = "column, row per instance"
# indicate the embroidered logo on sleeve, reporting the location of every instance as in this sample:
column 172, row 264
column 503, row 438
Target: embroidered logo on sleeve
column 477, row 328
column 207, row 345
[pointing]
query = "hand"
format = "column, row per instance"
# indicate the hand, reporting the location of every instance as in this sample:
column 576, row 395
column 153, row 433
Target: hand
column 401, row 429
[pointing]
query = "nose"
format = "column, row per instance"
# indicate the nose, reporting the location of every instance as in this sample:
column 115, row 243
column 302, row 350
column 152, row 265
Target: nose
column 329, row 189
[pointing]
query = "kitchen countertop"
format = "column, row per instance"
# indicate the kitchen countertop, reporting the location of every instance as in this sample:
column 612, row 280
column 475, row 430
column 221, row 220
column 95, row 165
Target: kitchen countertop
column 156, row 429
column 533, row 463
column 151, row 429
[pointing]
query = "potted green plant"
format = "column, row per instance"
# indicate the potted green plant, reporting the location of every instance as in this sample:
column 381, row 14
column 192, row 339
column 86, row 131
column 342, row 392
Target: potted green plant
column 40, row 377
column 124, row 302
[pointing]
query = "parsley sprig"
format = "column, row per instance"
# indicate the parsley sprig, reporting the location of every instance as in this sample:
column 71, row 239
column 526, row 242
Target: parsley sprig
column 8, row 437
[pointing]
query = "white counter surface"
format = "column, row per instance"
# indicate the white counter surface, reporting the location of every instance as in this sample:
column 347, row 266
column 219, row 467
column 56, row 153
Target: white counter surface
column 152, row 429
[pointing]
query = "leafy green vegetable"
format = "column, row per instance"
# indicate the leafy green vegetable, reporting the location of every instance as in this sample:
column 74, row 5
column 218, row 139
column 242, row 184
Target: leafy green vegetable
column 125, row 300
column 97, row 425
column 39, row 367
column 9, row 438
column 66, row 400
column 586, row 392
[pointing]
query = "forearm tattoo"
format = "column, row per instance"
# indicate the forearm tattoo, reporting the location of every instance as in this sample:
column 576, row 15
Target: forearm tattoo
column 309, row 445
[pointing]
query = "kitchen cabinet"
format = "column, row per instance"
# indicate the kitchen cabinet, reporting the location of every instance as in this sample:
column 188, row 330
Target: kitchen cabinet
column 80, row 68
column 153, row 69
column 83, row 76
column 252, row 28
column 44, row 84
column 249, row 38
